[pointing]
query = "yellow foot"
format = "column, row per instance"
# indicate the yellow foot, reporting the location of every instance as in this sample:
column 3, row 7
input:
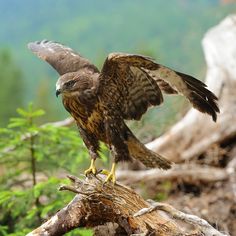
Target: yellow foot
column 92, row 169
column 104, row 172
column 111, row 176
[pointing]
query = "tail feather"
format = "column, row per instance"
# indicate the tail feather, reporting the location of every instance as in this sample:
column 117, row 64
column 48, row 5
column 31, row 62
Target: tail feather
column 149, row 158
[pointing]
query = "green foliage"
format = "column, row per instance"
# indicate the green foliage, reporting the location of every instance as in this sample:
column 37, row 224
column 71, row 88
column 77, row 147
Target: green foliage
column 33, row 160
column 80, row 232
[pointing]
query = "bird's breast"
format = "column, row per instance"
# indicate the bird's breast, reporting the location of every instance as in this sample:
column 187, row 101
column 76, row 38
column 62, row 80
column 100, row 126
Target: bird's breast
column 94, row 123
column 89, row 118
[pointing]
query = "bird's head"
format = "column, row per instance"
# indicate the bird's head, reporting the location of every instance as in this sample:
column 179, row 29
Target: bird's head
column 72, row 84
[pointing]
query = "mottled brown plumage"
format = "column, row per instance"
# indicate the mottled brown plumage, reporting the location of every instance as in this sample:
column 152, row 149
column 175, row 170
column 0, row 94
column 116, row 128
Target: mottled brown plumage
column 124, row 89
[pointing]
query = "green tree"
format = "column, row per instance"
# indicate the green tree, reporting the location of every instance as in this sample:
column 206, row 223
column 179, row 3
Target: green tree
column 33, row 160
column 11, row 89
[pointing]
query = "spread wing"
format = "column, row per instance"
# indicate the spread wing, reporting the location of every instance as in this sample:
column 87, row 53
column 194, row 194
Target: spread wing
column 63, row 59
column 139, row 82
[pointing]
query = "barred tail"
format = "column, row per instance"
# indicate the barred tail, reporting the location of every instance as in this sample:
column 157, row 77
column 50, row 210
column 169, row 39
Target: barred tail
column 149, row 158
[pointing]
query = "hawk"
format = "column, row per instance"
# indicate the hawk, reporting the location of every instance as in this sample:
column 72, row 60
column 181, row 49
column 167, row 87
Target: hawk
column 126, row 86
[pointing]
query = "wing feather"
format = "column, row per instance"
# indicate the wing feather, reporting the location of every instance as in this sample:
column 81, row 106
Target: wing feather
column 142, row 79
column 63, row 59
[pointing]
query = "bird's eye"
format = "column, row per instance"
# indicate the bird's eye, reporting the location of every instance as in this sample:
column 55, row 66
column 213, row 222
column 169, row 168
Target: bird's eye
column 70, row 83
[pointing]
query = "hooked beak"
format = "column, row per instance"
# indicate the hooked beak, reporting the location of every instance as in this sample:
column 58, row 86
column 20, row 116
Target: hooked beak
column 58, row 92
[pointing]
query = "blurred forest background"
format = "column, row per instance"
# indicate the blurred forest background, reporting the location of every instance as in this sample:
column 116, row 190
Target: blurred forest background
column 169, row 31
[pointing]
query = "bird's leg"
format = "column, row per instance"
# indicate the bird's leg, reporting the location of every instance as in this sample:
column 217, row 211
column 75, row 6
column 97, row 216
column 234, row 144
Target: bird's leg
column 92, row 144
column 115, row 132
column 111, row 176
column 92, row 168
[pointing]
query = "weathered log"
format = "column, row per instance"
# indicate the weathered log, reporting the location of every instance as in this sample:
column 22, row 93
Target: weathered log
column 196, row 132
column 109, row 206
